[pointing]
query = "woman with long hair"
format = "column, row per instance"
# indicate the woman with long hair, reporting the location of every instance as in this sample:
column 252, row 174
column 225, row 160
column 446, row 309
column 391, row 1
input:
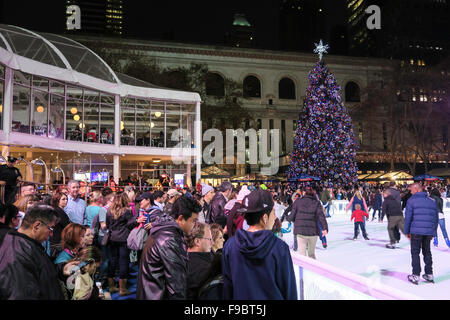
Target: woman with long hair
column 94, row 208
column 121, row 222
column 59, row 202
column 24, row 203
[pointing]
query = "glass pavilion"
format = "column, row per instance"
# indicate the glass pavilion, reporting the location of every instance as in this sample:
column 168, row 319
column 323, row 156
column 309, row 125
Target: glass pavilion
column 61, row 102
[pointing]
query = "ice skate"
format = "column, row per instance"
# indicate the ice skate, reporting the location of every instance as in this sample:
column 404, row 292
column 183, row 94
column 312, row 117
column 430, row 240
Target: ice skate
column 447, row 241
column 413, row 279
column 354, row 238
column 428, row 278
column 366, row 238
column 390, row 246
column 324, row 245
column 435, row 241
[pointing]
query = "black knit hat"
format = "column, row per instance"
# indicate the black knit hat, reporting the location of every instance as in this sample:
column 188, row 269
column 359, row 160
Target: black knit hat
column 258, row 201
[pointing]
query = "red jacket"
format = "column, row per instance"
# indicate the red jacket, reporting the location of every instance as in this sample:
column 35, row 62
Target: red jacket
column 358, row 215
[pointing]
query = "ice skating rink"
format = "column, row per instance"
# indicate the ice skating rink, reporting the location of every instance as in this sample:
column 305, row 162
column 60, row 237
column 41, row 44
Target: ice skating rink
column 370, row 258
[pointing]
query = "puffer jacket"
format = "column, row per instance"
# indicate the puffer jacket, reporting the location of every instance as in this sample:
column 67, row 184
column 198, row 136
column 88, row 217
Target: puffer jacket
column 164, row 262
column 421, row 215
column 217, row 212
column 306, row 212
column 26, row 271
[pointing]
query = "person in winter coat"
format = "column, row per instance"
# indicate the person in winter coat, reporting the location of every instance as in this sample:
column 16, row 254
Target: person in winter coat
column 59, row 201
column 235, row 218
column 306, row 213
column 26, row 271
column 421, row 221
column 207, row 196
column 397, row 196
column 120, row 221
column 393, row 211
column 376, row 206
column 217, row 212
column 199, row 242
column 252, row 258
column 164, row 262
column 436, row 195
column 358, row 215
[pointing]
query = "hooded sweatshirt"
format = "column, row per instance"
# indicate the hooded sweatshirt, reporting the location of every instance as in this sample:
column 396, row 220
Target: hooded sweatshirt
column 258, row 266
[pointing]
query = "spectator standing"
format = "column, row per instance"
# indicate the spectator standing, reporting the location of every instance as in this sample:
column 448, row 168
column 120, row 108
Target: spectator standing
column 26, row 272
column 59, row 202
column 251, row 258
column 172, row 196
column 10, row 174
column 217, row 213
column 72, row 240
column 76, row 206
column 121, row 222
column 199, row 243
column 94, row 208
column 421, row 221
column 164, row 262
column 207, row 195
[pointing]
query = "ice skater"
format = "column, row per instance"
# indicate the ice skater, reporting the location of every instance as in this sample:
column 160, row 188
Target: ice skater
column 359, row 215
column 393, row 211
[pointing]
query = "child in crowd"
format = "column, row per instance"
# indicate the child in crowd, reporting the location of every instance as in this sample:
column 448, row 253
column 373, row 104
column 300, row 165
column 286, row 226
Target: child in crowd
column 358, row 215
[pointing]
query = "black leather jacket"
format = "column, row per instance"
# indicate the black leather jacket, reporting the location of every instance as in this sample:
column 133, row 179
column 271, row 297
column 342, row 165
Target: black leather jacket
column 26, row 272
column 164, row 262
column 217, row 213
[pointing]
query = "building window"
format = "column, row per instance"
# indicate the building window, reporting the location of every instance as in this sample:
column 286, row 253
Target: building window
column 286, row 89
column 259, row 124
column 252, row 87
column 384, row 137
column 352, row 92
column 215, row 85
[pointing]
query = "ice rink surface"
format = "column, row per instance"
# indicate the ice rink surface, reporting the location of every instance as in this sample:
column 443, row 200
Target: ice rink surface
column 370, row 258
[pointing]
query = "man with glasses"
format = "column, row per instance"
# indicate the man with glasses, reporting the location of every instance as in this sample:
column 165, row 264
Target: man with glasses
column 26, row 271
column 199, row 243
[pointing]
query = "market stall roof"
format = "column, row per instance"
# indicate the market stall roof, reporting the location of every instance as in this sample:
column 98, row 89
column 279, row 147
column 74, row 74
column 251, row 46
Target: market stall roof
column 393, row 175
column 214, row 172
column 60, row 58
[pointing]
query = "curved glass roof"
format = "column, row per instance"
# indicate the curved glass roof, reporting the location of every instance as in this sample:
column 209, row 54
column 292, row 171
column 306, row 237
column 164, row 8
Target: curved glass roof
column 55, row 50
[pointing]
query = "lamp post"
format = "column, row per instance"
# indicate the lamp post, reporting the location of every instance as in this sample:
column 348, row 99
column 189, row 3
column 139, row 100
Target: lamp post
column 59, row 170
column 41, row 162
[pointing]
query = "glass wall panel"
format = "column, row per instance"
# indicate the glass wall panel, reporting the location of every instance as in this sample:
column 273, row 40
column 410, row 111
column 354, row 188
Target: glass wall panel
column 22, row 78
column 106, row 119
column 2, row 72
column 39, row 113
column 187, row 122
column 56, row 117
column 158, row 127
column 40, row 83
column 74, row 119
column 173, row 122
column 74, row 113
column 21, row 109
column 57, row 88
column 91, row 119
column 127, row 122
column 143, row 123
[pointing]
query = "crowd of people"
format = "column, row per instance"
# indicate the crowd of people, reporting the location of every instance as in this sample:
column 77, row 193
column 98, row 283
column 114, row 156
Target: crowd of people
column 191, row 243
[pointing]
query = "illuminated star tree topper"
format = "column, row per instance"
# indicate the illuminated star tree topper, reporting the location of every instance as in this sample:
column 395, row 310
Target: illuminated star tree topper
column 321, row 49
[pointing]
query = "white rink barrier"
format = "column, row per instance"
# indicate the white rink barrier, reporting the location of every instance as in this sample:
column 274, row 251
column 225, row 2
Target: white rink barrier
column 338, row 207
column 319, row 281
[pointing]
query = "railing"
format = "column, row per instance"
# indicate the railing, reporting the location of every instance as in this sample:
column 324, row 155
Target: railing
column 320, row 281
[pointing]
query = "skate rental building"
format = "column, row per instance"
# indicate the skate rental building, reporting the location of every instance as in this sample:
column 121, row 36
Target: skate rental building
column 66, row 112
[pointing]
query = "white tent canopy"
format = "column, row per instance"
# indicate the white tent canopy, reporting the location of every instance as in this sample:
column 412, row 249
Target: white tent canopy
column 63, row 59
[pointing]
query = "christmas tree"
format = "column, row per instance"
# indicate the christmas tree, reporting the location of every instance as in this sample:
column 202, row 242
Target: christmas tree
column 324, row 144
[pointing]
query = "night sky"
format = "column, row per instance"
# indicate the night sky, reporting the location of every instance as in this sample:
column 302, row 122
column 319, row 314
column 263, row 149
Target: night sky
column 199, row 21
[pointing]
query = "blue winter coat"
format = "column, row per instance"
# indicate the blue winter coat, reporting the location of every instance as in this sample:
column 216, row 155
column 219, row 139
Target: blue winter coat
column 257, row 266
column 421, row 215
column 377, row 201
